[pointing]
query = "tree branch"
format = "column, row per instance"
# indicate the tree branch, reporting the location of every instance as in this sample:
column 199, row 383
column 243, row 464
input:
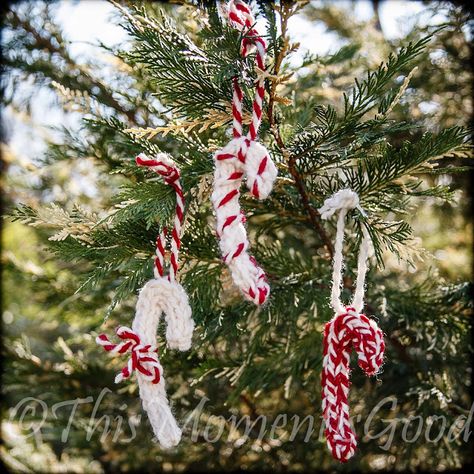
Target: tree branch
column 285, row 13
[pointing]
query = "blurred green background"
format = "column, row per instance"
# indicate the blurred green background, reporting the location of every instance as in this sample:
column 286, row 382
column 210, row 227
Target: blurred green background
column 48, row 86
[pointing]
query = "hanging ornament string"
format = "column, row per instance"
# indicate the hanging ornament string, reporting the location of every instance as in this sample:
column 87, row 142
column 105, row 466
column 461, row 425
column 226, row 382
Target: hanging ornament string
column 242, row 19
column 348, row 328
column 166, row 168
column 162, row 295
column 243, row 157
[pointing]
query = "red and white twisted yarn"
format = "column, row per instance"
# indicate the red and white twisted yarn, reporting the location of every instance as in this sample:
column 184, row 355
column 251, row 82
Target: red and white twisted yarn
column 348, row 329
column 165, row 167
column 243, row 157
column 162, row 295
column 143, row 357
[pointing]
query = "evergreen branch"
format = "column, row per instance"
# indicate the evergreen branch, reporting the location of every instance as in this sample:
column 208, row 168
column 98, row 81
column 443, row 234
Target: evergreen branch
column 181, row 69
column 285, row 13
column 53, row 44
column 332, row 129
column 150, row 201
column 210, row 120
column 374, row 174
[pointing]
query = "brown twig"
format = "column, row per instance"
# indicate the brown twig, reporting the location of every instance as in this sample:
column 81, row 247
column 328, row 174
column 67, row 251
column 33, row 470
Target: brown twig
column 287, row 9
column 250, row 405
column 313, row 213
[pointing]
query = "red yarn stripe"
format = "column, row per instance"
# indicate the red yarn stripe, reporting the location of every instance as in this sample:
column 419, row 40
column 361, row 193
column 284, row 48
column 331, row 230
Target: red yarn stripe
column 240, row 247
column 230, row 195
column 262, row 166
column 224, row 156
column 228, row 221
column 176, row 238
column 255, row 189
column 174, row 263
column 262, row 294
column 159, row 244
column 235, row 18
column 236, row 113
column 252, row 131
column 158, row 266
column 241, row 156
column 242, row 7
column 237, row 88
column 236, row 175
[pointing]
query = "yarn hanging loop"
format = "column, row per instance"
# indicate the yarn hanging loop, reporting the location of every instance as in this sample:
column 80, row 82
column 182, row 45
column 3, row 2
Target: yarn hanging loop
column 243, row 157
column 162, row 295
column 347, row 329
column 165, row 167
column 344, row 201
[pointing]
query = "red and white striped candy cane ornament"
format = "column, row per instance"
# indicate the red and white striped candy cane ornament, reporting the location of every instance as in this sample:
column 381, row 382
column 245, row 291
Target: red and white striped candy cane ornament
column 348, row 329
column 165, row 295
column 243, row 157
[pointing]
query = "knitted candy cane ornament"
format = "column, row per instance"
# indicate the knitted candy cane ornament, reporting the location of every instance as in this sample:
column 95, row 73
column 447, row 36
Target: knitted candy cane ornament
column 243, row 156
column 160, row 295
column 348, row 328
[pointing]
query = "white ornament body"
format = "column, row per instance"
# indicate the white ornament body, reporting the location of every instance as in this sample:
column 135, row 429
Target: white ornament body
column 160, row 296
column 246, row 274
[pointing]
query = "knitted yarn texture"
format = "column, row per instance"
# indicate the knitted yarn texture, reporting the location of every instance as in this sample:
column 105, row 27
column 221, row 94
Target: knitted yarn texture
column 162, row 295
column 348, row 329
column 241, row 158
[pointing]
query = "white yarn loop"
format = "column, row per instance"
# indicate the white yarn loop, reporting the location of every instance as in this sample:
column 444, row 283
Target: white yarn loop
column 160, row 296
column 348, row 329
column 161, row 157
column 344, row 201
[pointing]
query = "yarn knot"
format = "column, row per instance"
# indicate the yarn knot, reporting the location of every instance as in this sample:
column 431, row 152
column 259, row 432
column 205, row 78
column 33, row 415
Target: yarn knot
column 343, row 199
column 143, row 357
column 259, row 168
column 241, row 18
column 162, row 165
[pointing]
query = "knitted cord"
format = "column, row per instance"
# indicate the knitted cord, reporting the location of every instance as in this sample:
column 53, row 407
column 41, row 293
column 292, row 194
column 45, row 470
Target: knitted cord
column 348, row 329
column 160, row 295
column 156, row 297
column 243, row 157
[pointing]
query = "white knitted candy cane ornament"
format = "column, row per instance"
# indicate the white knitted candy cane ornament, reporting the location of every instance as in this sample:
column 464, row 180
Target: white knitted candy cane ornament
column 160, row 295
column 348, row 328
column 243, row 156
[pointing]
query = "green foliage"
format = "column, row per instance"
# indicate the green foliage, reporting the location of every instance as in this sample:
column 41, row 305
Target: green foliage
column 81, row 261
column 180, row 69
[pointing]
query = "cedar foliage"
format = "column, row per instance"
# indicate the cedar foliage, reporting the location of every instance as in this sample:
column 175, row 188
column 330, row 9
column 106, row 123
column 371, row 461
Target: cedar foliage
column 169, row 90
